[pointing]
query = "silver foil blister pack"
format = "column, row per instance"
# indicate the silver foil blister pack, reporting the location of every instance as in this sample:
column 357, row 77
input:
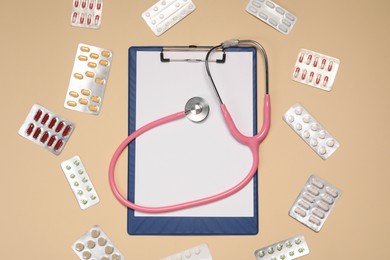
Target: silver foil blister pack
column 46, row 129
column 288, row 249
column 310, row 130
column 87, row 13
column 89, row 79
column 315, row 202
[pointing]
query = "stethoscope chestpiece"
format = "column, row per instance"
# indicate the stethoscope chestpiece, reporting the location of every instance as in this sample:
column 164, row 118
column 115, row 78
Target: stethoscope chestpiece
column 197, row 109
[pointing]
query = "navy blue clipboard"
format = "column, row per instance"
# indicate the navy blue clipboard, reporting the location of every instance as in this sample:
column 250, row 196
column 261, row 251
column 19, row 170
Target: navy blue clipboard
column 145, row 225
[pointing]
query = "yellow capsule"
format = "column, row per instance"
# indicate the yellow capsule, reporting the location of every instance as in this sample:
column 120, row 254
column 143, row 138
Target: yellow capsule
column 93, row 108
column 92, row 64
column 106, row 54
column 83, row 58
column 83, row 101
column 95, row 99
column 103, row 62
column 84, row 48
column 99, row 81
column 73, row 94
column 94, row 55
column 78, row 76
column 85, row 92
column 90, row 74
column 71, row 103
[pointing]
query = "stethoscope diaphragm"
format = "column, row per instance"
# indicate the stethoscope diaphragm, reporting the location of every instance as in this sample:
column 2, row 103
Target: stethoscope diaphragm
column 197, row 109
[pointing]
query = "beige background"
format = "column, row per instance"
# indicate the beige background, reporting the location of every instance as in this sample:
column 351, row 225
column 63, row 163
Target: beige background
column 40, row 218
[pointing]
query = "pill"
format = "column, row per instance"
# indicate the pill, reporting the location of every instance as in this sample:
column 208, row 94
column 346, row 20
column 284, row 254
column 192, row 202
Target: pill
column 97, row 18
column 288, row 244
column 36, row 133
column 187, row 254
column 105, row 258
column 263, row 16
column 76, row 3
column 322, row 134
column 60, row 126
column 93, row 108
column 323, row 206
column 109, row 250
column 261, row 253
column 304, row 204
column 323, row 63
column 95, row 233
column 30, row 129
column 297, row 241
column 330, row 143
column 85, row 92
column 270, row 4
column 78, row 76
column 74, row 17
column 85, row 180
column 83, row 3
column 303, row 76
column 306, row 119
column 308, row 60
column 308, row 198
column 88, row 188
column 291, row 253
column 80, row 171
column 71, row 103
column 300, row 212
column 288, row 24
column 44, row 137
column 58, row 145
column 91, row 244
column 103, row 62
column 89, row 74
column 73, row 94
column 89, row 19
column 82, row 18
column 317, row 183
column 67, row 130
column 45, row 118
column 79, row 247
column 38, row 115
column 290, row 118
column 92, row 64
column 102, row 241
column 313, row 190
column 298, row 126
column 327, row 199
column 99, row 4
column 296, row 72
column 322, row 150
column 283, row 28
column 301, row 57
column 318, row 213
column 270, row 251
column 84, row 49
column 314, row 142
column 161, row 16
column 282, row 257
column 84, row 201
column 330, row 66
column 77, row 163
column 86, row 255
column 332, row 192
column 99, row 81
column 94, row 55
column 83, row 101
column 95, row 99
column 197, row 250
column 72, row 176
column 290, row 17
column 279, row 10
column 318, row 79
column 311, row 76
column 51, row 141
column 306, row 134
column 301, row 250
column 52, row 122
column 257, row 4
column 106, row 54
column 91, row 4
column 273, row 21
column 279, row 247
column 314, row 220
column 315, row 62
column 68, row 167
column 83, row 58
column 116, row 257
column 314, row 127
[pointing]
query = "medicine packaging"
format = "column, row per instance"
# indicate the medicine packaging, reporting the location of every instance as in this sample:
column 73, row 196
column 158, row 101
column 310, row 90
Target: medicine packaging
column 288, row 249
column 87, row 13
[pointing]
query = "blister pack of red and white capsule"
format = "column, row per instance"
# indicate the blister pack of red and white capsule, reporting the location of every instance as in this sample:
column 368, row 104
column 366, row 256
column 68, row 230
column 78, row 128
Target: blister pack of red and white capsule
column 200, row 252
column 288, row 249
column 80, row 182
column 166, row 13
column 46, row 129
column 95, row 244
column 315, row 202
column 89, row 79
column 315, row 69
column 87, row 13
column 272, row 14
column 310, row 130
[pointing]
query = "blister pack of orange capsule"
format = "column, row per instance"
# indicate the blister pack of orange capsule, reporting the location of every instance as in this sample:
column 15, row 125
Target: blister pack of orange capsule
column 87, row 13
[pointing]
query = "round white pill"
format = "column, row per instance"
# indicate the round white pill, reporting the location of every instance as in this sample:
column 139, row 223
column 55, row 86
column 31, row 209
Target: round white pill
column 290, row 119
column 298, row 127
column 147, row 14
column 322, row 150
column 306, row 134
column 298, row 111
column 161, row 16
column 306, row 119
column 321, row 134
column 314, row 142
column 314, row 126
column 330, row 143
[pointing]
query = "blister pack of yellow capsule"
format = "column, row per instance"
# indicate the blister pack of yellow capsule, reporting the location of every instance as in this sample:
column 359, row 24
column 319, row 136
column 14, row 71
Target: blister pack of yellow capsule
column 89, row 79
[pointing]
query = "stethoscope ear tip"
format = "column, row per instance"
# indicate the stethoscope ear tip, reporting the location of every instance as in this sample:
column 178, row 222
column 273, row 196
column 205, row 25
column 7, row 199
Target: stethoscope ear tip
column 197, row 109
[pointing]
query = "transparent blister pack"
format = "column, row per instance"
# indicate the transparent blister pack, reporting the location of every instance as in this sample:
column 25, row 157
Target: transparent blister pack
column 46, row 129
column 200, row 252
column 166, row 13
column 89, row 79
column 80, row 182
column 288, row 249
column 95, row 244
column 315, row 202
column 272, row 14
column 310, row 130
column 87, row 13
column 315, row 69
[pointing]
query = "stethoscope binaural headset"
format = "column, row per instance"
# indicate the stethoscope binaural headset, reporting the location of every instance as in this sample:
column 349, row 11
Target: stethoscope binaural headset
column 197, row 110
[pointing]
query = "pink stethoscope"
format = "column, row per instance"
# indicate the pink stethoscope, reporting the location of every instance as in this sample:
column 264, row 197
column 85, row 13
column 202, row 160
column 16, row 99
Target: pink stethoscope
column 196, row 110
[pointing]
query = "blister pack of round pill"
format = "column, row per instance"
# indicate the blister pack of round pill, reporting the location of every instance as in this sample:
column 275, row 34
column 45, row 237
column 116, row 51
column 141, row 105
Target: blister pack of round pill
column 87, row 13
column 272, row 14
column 288, row 249
column 97, row 246
column 200, row 252
column 80, row 182
column 315, row 202
column 89, row 79
column 310, row 130
column 46, row 129
column 315, row 69
column 166, row 13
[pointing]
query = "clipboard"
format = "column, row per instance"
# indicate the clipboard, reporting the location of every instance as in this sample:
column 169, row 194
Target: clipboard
column 183, row 160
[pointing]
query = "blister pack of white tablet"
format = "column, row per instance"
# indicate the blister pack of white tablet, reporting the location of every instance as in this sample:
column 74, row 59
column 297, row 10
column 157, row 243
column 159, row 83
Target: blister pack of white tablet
column 166, row 13
column 272, row 14
column 87, row 13
column 310, row 130
column 288, row 249
column 95, row 244
column 200, row 252
column 315, row 69
column 46, row 129
column 80, row 182
column 89, row 79
column 315, row 202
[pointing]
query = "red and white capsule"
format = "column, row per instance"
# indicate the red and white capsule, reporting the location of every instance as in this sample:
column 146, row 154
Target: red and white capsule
column 325, row 81
column 323, row 63
column 315, row 62
column 82, row 18
column 301, row 57
column 308, row 60
column 296, row 73
column 74, row 17
column 330, row 66
column 97, row 18
column 89, row 19
column 318, row 79
column 91, row 3
column 83, row 3
column 303, row 76
column 311, row 76
column 76, row 3
column 99, row 4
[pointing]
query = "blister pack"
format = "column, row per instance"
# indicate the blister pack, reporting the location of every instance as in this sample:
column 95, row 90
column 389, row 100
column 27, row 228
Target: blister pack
column 80, row 182
column 272, row 14
column 166, row 13
column 95, row 244
column 89, row 79
column 46, row 129
column 315, row 202
column 87, row 13
column 200, row 252
column 315, row 69
column 288, row 249
column 308, row 128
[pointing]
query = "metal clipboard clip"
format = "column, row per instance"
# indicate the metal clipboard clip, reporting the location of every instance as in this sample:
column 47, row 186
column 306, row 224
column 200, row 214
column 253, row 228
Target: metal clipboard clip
column 189, row 48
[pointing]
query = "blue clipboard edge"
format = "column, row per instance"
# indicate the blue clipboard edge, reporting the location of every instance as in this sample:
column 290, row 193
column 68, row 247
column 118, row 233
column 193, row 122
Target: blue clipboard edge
column 183, row 225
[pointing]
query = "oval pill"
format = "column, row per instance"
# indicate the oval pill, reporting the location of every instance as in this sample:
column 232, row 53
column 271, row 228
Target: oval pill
column 332, row 192
column 94, row 55
column 84, row 49
column 319, row 213
column 73, row 94
column 317, row 183
column 300, row 212
column 252, row 9
column 308, row 197
column 290, row 17
column 93, row 108
column 85, row 92
column 95, row 99
column 272, row 21
column 103, row 62
column 327, row 199
column 99, row 81
column 78, row 76
column 270, row 4
column 82, row 58
column 313, row 190
column 106, row 54
column 279, row 10
column 283, row 28
column 83, row 101
column 323, row 206
column 92, row 64
column 71, row 103
column 314, row 220
column 257, row 4
column 304, row 204
column 89, row 74
column 263, row 16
